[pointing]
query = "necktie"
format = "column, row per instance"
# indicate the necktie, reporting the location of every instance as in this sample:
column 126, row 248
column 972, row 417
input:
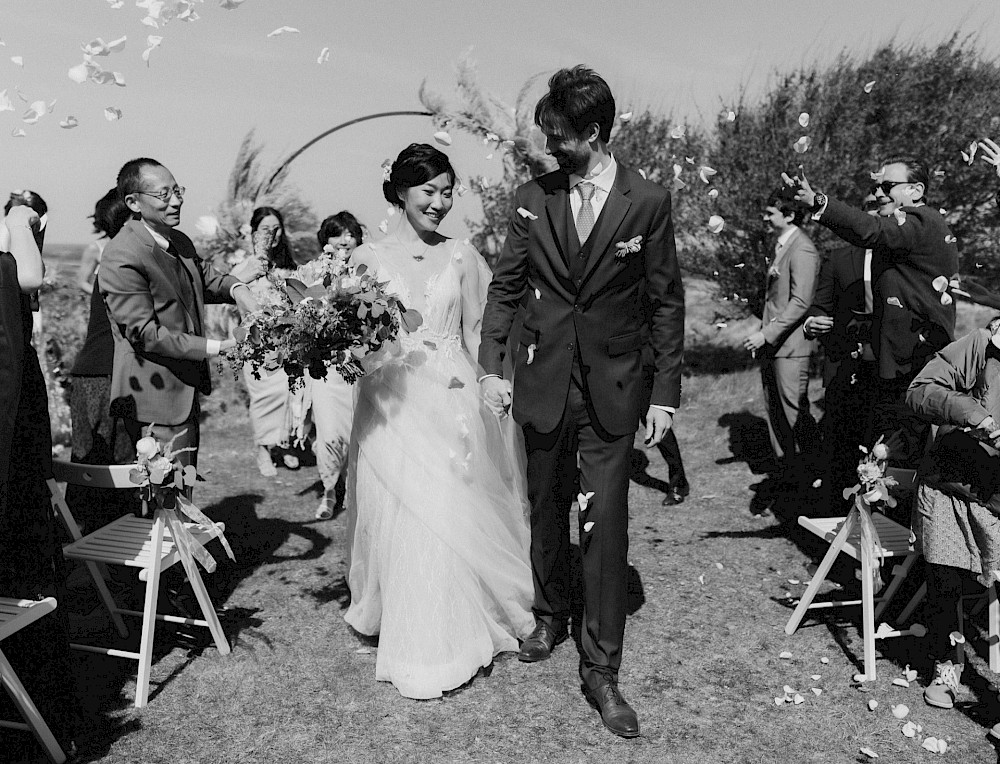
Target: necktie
column 585, row 217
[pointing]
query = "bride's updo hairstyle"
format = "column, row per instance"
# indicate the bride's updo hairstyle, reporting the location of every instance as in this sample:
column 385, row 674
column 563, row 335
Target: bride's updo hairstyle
column 415, row 165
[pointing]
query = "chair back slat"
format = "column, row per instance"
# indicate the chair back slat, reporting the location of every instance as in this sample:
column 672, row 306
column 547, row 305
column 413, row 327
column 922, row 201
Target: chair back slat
column 93, row 475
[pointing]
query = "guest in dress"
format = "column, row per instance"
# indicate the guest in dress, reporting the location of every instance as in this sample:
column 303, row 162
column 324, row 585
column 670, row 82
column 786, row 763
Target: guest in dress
column 269, row 394
column 957, row 518
column 437, row 507
column 97, row 437
column 332, row 398
column 30, row 553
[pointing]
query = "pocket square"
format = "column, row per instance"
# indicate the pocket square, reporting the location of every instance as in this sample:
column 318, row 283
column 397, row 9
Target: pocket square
column 630, row 247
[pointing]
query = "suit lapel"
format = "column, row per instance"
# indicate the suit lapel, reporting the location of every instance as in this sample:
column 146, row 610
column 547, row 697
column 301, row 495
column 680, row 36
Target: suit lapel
column 558, row 211
column 783, row 251
column 610, row 220
column 172, row 270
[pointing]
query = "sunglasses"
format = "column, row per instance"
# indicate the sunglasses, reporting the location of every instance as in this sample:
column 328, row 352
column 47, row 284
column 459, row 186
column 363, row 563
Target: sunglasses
column 887, row 185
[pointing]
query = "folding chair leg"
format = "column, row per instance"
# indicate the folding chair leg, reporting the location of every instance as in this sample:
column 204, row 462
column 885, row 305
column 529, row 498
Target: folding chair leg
column 149, row 615
column 915, row 600
column 28, row 710
column 868, row 613
column 207, row 608
column 109, row 602
column 897, row 579
column 820, row 576
column 993, row 635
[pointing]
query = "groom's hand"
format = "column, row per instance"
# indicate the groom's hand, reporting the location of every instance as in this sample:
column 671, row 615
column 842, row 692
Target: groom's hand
column 496, row 394
column 658, row 421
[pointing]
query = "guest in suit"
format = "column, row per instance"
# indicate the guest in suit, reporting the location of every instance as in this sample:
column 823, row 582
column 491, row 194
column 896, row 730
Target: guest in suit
column 840, row 317
column 155, row 287
column 911, row 247
column 780, row 343
column 586, row 245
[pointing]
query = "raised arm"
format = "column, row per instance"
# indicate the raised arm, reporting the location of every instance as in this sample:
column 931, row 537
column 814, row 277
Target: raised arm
column 20, row 223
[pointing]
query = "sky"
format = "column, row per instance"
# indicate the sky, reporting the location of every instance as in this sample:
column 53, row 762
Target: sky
column 212, row 80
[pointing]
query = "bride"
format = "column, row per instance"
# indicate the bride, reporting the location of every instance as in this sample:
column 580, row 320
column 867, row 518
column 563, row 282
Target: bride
column 437, row 525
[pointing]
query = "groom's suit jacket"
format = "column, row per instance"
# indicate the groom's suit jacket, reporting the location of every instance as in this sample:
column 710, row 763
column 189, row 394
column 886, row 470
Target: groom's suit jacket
column 791, row 283
column 156, row 304
column 587, row 301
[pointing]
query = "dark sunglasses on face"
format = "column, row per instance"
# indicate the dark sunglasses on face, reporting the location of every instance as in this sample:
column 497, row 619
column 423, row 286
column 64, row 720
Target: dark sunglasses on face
column 887, row 185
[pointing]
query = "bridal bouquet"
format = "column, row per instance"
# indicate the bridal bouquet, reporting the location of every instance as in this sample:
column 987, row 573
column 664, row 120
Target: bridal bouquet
column 162, row 481
column 332, row 324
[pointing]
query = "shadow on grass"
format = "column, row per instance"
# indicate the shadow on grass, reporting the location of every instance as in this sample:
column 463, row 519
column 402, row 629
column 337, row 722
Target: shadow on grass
column 715, row 359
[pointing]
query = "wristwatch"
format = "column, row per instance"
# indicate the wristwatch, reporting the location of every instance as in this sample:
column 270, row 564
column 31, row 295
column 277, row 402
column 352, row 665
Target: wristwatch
column 819, row 202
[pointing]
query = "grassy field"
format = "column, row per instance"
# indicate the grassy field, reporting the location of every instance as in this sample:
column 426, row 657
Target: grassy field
column 710, row 593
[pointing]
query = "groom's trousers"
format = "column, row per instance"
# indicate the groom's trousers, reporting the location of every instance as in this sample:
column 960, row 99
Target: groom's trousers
column 603, row 529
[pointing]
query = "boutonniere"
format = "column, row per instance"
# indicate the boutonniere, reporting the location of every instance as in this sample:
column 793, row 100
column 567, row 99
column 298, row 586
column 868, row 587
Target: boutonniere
column 625, row 248
column 773, row 272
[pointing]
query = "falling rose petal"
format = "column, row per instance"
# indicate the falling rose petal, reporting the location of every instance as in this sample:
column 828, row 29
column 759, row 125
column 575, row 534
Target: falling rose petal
column 111, row 114
column 817, row 483
column 901, row 711
column 17, row 60
column 701, row 579
column 900, row 682
column 719, row 565
column 785, row 655
column 626, row 117
column 583, row 499
column 442, row 137
column 872, row 704
column 869, row 85
column 116, row 4
column 117, row 46
column 484, row 183
column 816, row 691
column 793, row 581
column 869, row 753
column 230, row 5
column 35, row 112
column 489, row 156
column 78, row 73
column 713, row 193
column 689, row 160
column 283, row 30
column 153, row 41
column 526, row 214
column 716, row 223
column 801, row 146
column 824, row 660
column 894, row 301
column 642, row 173
column 956, row 638
column 18, row 132
column 119, row 79
column 678, row 132
column 706, row 172
column 149, row 21
column 730, row 116
column 949, row 239
column 531, row 354
column 900, row 217
column 946, row 299
column 721, row 325
column 740, row 265
column 5, row 103
column 461, row 189
column 939, row 173
column 970, row 157
column 69, row 123
column 324, row 56
column 587, row 527
column 538, row 294
column 383, row 226
column 804, row 119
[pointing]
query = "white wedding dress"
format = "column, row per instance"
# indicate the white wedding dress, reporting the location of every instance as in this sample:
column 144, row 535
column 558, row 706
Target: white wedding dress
column 438, row 533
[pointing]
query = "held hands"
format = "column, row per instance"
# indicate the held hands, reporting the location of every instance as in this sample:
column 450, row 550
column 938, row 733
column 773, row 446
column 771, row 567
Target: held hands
column 496, row 394
column 804, row 193
column 658, row 421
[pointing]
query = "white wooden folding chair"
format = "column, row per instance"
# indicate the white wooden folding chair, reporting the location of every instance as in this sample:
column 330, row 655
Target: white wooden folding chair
column 845, row 537
column 14, row 616
column 144, row 543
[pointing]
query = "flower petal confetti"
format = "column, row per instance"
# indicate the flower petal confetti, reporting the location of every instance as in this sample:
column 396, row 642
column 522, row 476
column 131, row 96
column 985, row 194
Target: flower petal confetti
column 324, row 56
column 804, row 119
column 901, row 711
column 900, row 216
column 956, row 638
column 797, row 699
column 705, row 172
column 869, row 86
column 900, row 682
column 678, row 132
column 934, row 745
column 816, row 691
column 713, row 193
column 716, row 223
column 583, row 499
column 949, row 239
column 78, row 73
column 626, row 117
column 872, row 704
column 116, row 4
column 816, row 677
column 824, row 660
column 152, row 41
column 230, row 5
column 909, row 729
column 69, row 123
column 442, row 137
column 5, row 103
column 730, row 116
column 910, row 675
column 785, row 655
column 527, row 214
column 869, row 753
column 18, row 132
column 817, row 483
column 894, row 301
column 35, row 112
column 587, row 527
column 970, row 157
column 283, row 30
column 111, row 114
column 801, row 146
column 383, row 226
column 17, row 60
column 538, row 294
column 531, row 353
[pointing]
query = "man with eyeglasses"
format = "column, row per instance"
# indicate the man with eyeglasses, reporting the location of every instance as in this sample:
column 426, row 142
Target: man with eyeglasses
column 155, row 287
column 911, row 247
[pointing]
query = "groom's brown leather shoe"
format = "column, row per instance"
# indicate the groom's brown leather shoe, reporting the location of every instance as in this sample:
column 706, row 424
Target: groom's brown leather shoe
column 616, row 713
column 538, row 646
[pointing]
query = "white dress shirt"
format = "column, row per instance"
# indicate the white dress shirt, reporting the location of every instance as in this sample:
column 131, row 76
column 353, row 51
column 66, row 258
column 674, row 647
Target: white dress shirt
column 603, row 178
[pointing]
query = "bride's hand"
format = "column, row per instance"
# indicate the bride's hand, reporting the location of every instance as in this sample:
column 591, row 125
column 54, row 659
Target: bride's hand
column 496, row 395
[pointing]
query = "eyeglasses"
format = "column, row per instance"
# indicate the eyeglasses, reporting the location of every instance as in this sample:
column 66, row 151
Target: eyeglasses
column 887, row 185
column 167, row 193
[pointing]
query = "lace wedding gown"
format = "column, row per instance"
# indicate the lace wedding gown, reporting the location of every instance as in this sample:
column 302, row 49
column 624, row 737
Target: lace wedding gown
column 437, row 511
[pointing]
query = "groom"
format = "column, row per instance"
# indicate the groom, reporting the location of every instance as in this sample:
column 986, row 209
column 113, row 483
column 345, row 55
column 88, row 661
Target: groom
column 587, row 246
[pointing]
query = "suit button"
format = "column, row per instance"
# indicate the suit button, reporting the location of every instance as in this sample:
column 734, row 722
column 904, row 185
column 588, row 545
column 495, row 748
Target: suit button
column 569, row 346
column 577, row 309
column 579, row 281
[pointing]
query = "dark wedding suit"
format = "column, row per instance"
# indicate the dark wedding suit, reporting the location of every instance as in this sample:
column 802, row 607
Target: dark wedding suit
column 850, row 380
column 156, row 303
column 784, row 360
column 909, row 324
column 578, row 381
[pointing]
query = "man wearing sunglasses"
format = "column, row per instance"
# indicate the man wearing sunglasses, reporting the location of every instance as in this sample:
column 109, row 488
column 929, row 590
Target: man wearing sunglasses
column 911, row 246
column 155, row 287
column 840, row 318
